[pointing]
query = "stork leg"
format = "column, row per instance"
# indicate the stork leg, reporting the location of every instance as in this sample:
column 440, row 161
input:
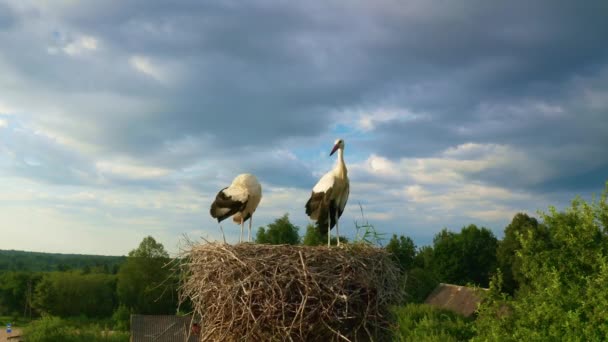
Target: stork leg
column 328, row 232
column 242, row 225
column 223, row 235
column 337, row 230
column 249, row 235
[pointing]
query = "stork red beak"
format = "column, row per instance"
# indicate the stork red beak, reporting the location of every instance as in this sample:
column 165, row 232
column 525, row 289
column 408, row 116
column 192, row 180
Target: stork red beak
column 336, row 146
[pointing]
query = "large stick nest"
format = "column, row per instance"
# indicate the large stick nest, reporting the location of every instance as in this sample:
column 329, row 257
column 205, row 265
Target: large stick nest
column 251, row 292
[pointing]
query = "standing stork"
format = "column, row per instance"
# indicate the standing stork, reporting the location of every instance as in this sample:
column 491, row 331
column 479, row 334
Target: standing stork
column 240, row 199
column 329, row 196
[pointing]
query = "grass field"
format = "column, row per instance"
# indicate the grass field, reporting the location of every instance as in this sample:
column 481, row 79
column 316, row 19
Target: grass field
column 74, row 329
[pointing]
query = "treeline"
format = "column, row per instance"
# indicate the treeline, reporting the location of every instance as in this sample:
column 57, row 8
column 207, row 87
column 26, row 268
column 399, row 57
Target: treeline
column 11, row 260
column 143, row 283
column 548, row 282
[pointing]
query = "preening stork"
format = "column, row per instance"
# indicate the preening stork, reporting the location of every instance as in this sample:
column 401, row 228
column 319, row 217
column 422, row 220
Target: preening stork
column 329, row 196
column 240, row 199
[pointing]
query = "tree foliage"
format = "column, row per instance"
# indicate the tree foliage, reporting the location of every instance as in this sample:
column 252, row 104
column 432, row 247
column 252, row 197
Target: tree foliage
column 506, row 254
column 45, row 262
column 465, row 257
column 564, row 296
column 280, row 232
column 149, row 248
column 16, row 292
column 313, row 237
column 404, row 251
column 54, row 329
column 146, row 284
column 72, row 294
column 419, row 322
column 422, row 279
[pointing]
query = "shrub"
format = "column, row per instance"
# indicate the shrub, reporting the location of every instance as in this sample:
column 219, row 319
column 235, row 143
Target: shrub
column 46, row 329
column 564, row 297
column 53, row 329
column 121, row 318
column 421, row 322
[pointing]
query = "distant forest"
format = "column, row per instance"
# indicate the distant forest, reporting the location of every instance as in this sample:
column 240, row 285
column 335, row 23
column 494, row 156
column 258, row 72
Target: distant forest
column 11, row 260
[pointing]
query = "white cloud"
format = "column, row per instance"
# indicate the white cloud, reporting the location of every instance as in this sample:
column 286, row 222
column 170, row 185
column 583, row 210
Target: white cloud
column 457, row 163
column 367, row 120
column 493, row 215
column 6, row 109
column 78, row 46
column 145, row 66
column 442, row 190
column 129, row 170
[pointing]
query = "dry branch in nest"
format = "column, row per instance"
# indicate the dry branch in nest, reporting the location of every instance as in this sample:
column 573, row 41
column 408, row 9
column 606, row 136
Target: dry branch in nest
column 250, row 292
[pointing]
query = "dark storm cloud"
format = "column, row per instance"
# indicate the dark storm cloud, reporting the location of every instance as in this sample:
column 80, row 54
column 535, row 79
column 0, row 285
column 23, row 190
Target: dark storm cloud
column 251, row 75
column 514, row 74
column 246, row 84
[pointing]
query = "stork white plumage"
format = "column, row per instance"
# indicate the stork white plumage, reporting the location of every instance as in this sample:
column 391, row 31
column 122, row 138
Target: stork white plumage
column 329, row 196
column 240, row 199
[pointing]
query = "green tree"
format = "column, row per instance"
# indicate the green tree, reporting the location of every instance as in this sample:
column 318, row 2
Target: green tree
column 149, row 248
column 420, row 282
column 422, row 279
column 71, row 294
column 509, row 263
column 313, row 237
column 146, row 284
column 281, row 231
column 465, row 257
column 404, row 251
column 424, row 257
column 16, row 292
column 564, row 295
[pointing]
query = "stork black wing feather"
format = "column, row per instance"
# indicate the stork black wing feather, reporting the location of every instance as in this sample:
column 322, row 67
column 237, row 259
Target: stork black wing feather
column 319, row 208
column 225, row 206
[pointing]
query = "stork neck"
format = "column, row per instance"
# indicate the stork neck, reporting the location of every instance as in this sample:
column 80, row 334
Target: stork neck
column 340, row 165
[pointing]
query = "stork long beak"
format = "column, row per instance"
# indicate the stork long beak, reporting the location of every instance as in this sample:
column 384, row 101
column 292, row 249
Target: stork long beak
column 336, row 146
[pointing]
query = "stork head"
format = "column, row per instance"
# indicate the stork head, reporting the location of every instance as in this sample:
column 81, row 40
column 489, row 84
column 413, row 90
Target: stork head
column 339, row 144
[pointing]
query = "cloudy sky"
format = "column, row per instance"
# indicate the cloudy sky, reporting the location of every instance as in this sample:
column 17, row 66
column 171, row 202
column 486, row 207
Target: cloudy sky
column 121, row 119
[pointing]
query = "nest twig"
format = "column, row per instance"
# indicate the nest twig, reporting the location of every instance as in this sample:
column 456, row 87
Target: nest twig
column 251, row 292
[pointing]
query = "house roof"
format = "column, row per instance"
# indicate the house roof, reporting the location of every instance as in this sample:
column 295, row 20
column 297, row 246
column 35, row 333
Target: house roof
column 161, row 328
column 460, row 299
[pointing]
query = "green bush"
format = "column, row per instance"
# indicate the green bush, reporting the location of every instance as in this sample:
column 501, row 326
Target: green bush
column 121, row 318
column 46, row 329
column 68, row 294
column 55, row 329
column 419, row 284
column 565, row 277
column 421, row 322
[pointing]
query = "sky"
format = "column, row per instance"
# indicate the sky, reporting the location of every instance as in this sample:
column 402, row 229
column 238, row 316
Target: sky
column 122, row 119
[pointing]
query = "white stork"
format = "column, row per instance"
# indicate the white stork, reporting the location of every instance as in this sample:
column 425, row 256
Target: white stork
column 240, row 199
column 329, row 196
